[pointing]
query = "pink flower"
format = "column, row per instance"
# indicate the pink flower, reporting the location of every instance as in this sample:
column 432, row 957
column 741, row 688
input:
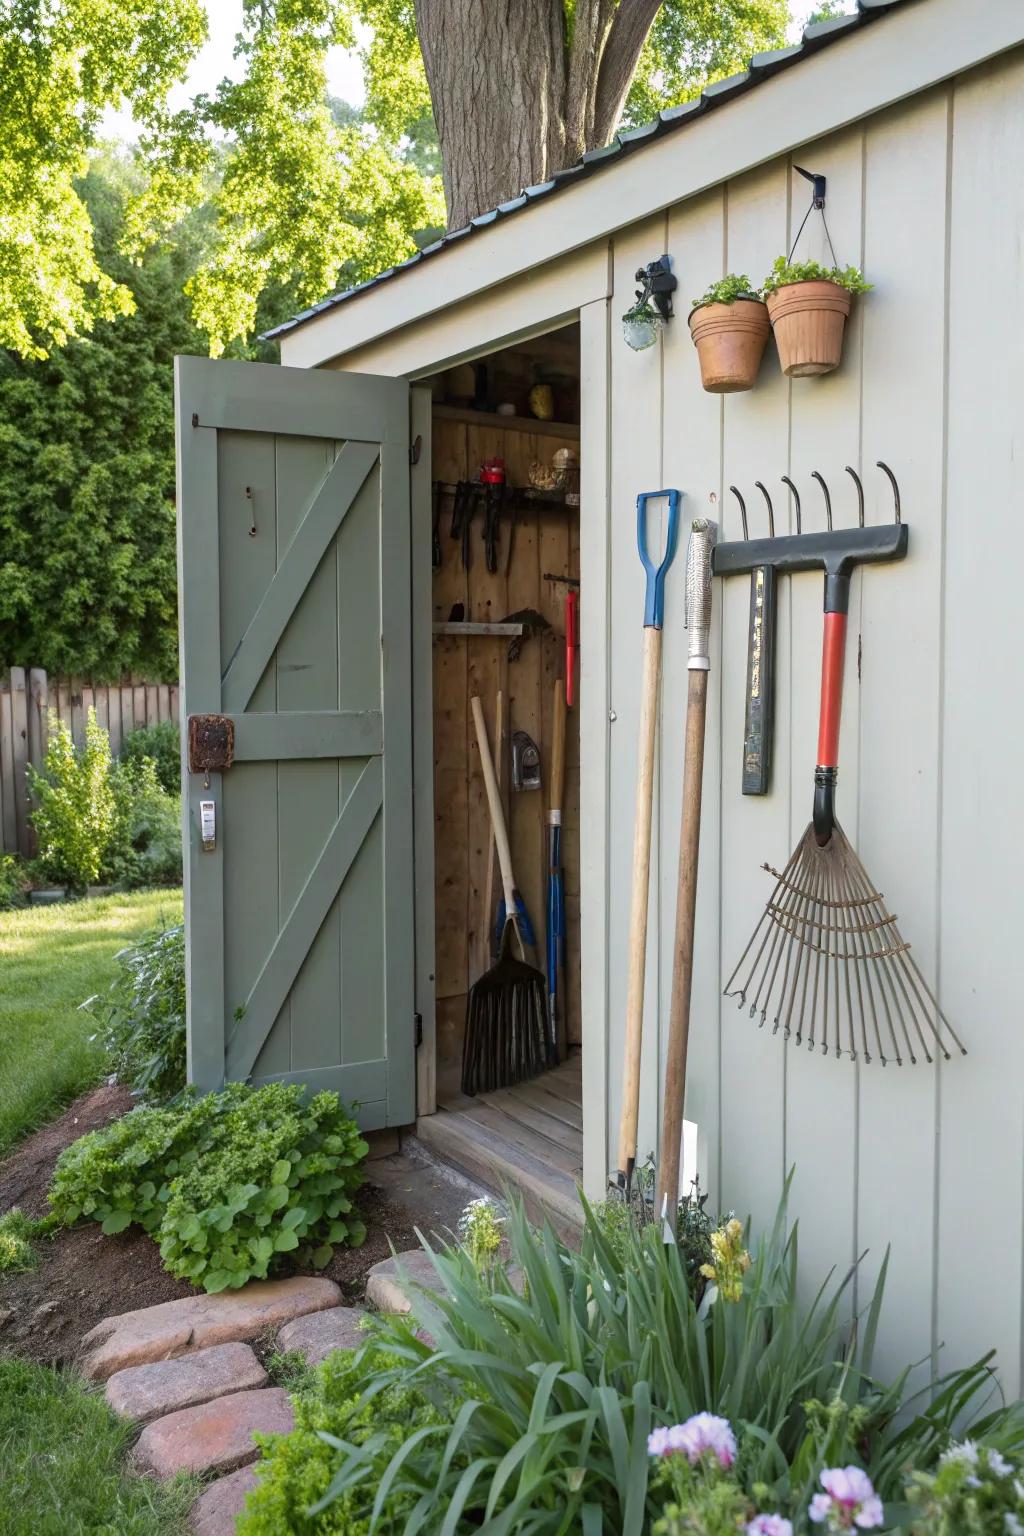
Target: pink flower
column 701, row 1435
column 770, row 1525
column 849, row 1501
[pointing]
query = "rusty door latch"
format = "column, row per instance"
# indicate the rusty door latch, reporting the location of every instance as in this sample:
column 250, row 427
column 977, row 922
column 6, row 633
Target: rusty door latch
column 211, row 743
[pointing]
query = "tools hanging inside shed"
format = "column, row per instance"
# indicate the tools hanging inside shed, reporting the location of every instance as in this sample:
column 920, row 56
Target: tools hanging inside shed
column 525, row 762
column 533, row 665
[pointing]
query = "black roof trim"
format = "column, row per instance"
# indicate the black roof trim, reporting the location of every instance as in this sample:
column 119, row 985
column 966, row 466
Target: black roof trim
column 762, row 66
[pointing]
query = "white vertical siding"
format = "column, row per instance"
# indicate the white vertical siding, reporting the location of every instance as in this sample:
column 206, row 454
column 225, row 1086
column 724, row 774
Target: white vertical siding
column 929, row 198
column 980, row 1173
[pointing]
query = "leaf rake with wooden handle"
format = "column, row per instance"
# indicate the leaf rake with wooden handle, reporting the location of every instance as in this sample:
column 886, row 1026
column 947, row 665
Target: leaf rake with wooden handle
column 832, row 969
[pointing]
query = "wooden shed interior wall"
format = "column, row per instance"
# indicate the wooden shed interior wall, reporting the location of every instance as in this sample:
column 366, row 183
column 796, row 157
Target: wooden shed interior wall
column 545, row 542
column 925, row 197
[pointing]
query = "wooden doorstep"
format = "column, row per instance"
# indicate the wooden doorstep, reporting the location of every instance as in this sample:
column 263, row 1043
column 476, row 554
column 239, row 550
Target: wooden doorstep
column 527, row 1139
column 547, row 1192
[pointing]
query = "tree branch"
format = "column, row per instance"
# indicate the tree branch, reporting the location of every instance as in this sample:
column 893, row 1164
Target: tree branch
column 629, row 31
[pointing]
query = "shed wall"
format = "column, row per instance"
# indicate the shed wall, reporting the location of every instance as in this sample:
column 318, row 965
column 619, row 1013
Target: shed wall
column 929, row 198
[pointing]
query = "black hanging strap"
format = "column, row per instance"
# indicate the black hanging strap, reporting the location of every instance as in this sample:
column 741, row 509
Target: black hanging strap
column 817, row 201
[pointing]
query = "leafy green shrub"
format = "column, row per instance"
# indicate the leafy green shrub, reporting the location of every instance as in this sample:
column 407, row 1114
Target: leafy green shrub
column 694, row 1223
column 298, row 1467
column 76, row 815
column 785, row 272
column 12, row 881
column 548, row 1392
column 142, row 1016
column 100, row 819
column 147, row 846
column 228, row 1184
column 16, row 1233
column 727, row 290
column 162, row 744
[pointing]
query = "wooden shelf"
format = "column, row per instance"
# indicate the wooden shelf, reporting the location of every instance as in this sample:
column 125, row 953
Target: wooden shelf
column 460, row 628
column 569, row 429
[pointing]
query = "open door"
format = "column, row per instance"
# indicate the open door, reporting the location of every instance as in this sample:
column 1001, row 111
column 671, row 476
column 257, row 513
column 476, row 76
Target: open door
column 294, row 600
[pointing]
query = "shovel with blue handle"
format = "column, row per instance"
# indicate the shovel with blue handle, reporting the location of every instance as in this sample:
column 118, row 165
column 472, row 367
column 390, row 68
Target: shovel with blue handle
column 654, row 611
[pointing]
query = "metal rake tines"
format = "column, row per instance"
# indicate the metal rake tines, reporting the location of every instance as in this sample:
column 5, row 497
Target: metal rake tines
column 504, row 1042
column 829, row 958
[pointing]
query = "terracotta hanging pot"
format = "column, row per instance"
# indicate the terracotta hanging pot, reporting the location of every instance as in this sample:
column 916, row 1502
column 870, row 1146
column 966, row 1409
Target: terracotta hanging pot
column 809, row 319
column 730, row 341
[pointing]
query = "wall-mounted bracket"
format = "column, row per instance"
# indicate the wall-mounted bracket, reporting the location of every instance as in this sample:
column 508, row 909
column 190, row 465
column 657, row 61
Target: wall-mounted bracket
column 657, row 283
column 818, row 184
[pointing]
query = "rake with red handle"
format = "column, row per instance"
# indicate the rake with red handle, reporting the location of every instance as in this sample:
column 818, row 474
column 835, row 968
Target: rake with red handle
column 832, row 969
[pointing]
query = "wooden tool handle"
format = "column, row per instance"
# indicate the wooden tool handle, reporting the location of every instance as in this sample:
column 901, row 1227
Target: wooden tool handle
column 494, row 806
column 556, row 778
column 637, row 958
column 487, row 919
column 682, row 964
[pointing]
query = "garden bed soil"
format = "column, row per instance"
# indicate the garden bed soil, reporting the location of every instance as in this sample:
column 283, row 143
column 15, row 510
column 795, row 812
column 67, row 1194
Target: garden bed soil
column 83, row 1276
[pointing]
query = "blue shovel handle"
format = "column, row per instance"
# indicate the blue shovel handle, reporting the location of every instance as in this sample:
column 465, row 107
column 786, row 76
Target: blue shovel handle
column 654, row 601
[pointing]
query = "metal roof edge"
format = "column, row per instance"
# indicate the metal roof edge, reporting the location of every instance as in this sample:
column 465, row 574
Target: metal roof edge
column 761, row 67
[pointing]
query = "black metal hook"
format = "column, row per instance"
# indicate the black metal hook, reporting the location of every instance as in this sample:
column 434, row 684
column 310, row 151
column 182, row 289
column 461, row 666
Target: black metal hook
column 817, row 183
column 860, row 494
column 796, row 499
column 771, row 510
column 895, row 487
column 743, row 510
column 828, row 499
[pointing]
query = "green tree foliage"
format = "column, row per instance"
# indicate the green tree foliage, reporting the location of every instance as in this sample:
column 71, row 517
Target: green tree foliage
column 61, row 66
column 300, row 198
column 87, row 564
column 303, row 196
column 694, row 42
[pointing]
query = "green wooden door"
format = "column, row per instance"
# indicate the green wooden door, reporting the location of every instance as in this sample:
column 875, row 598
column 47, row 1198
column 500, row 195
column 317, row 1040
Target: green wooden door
column 294, row 596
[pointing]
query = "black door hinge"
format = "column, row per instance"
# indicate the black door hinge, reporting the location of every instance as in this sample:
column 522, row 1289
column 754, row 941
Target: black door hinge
column 418, row 1024
column 416, row 450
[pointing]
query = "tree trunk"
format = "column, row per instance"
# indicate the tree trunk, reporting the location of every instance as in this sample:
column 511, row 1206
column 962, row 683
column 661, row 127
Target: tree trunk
column 514, row 98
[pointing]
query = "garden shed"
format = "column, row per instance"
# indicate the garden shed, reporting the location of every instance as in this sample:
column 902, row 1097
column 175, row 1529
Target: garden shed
column 914, row 115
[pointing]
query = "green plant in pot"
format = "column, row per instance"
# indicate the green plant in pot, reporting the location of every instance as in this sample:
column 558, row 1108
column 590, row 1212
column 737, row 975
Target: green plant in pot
column 808, row 305
column 729, row 326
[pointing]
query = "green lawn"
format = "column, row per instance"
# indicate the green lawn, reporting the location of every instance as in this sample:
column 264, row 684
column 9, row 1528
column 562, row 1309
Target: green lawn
column 51, row 960
column 62, row 1463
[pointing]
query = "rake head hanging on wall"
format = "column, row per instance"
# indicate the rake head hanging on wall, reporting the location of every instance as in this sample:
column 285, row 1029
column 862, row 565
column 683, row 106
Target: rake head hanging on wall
column 827, row 962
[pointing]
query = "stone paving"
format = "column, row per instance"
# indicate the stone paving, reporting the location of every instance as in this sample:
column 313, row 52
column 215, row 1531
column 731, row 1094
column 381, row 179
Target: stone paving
column 317, row 1334
column 186, row 1372
column 195, row 1322
column 213, row 1437
column 145, row 1392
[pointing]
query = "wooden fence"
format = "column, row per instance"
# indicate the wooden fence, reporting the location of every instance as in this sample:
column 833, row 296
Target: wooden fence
column 27, row 700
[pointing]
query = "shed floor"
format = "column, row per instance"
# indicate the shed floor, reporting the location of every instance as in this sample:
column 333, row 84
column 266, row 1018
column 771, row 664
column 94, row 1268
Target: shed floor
column 527, row 1140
